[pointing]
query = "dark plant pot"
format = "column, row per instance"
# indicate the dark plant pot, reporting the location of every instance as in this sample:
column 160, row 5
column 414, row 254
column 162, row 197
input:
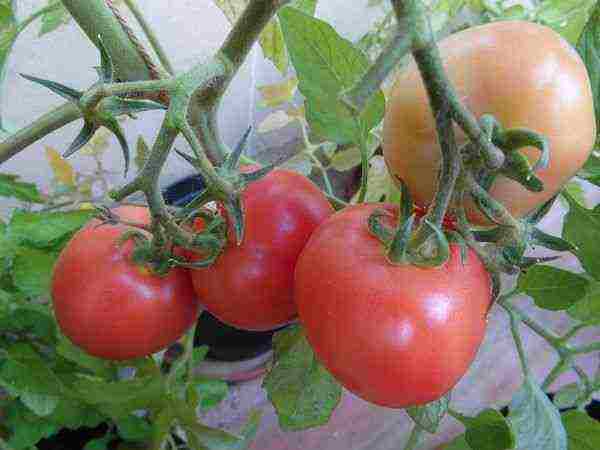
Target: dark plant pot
column 234, row 355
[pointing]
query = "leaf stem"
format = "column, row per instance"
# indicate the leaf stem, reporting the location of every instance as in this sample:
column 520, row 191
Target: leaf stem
column 364, row 168
column 151, row 35
column 514, row 328
column 415, row 438
column 562, row 366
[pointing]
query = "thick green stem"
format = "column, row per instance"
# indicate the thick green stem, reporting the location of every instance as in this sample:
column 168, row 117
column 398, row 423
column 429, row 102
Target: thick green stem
column 151, row 35
column 96, row 19
column 359, row 95
column 436, row 83
column 93, row 97
column 45, row 125
column 247, row 29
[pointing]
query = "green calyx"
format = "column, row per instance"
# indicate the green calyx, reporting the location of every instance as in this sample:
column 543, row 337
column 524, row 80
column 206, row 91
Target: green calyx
column 399, row 242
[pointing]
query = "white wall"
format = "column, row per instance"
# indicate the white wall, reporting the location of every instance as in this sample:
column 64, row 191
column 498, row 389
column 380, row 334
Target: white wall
column 189, row 29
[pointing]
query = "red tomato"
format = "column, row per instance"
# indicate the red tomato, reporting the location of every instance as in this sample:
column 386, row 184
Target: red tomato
column 251, row 286
column 109, row 306
column 394, row 335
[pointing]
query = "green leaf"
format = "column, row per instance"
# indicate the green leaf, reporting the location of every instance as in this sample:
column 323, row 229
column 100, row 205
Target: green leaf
column 134, row 428
column 71, row 352
column 32, row 271
column 582, row 228
column 379, row 181
column 327, row 64
column 28, row 318
column 10, row 186
column 54, row 18
column 27, row 428
column 303, row 392
column 300, row 163
column 306, row 6
column 489, row 430
column 583, row 432
column 429, row 416
column 535, row 420
column 568, row 395
column 587, row 310
column 47, row 229
column 199, row 354
column 273, row 46
column 567, row 17
column 458, row 443
column 40, row 404
column 74, row 414
column 576, row 191
column 350, row 158
column 8, row 34
column 141, row 153
column 588, row 47
column 552, row 288
column 210, row 393
column 99, row 444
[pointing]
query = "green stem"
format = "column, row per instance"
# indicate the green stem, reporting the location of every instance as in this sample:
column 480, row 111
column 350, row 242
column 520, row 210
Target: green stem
column 40, row 12
column 324, row 174
column 514, row 328
column 562, row 366
column 498, row 211
column 96, row 94
column 96, row 19
column 573, row 331
column 45, row 125
column 357, row 97
column 364, row 168
column 247, row 29
column 584, row 349
column 415, row 438
column 151, row 35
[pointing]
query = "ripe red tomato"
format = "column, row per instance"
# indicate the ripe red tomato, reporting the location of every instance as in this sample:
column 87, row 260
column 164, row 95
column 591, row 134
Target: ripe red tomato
column 251, row 286
column 394, row 335
column 540, row 83
column 111, row 307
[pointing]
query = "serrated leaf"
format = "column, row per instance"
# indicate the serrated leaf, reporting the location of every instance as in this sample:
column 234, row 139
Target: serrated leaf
column 134, row 428
column 11, row 186
column 326, row 64
column 274, row 121
column 587, row 310
column 567, row 396
column 62, row 169
column 210, row 392
column 489, row 430
column 582, row 228
column 54, row 18
column 567, row 17
column 300, row 163
column 141, row 153
column 583, row 432
column 273, row 46
column 277, row 94
column 429, row 416
column 535, row 420
column 32, row 271
column 588, row 47
column 47, row 229
column 303, row 392
column 552, row 288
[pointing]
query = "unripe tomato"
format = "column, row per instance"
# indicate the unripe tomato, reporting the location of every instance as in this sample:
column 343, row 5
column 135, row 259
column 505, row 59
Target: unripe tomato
column 527, row 76
column 111, row 307
column 250, row 286
column 395, row 335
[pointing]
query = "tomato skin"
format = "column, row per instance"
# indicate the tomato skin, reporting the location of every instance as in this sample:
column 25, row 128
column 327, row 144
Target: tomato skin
column 251, row 286
column 112, row 308
column 540, row 83
column 394, row 335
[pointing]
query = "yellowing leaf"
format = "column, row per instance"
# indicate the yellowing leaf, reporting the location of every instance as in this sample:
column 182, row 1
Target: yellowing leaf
column 277, row 94
column 274, row 121
column 297, row 113
column 378, row 182
column 63, row 171
column 273, row 46
column 98, row 144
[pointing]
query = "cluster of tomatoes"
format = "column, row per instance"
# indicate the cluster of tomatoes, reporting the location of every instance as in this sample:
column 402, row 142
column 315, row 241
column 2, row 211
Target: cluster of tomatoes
column 396, row 335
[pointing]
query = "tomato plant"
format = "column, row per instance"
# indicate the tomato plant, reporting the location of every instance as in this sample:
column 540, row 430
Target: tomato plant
column 111, row 306
column 552, row 97
column 250, row 286
column 487, row 128
column 379, row 327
